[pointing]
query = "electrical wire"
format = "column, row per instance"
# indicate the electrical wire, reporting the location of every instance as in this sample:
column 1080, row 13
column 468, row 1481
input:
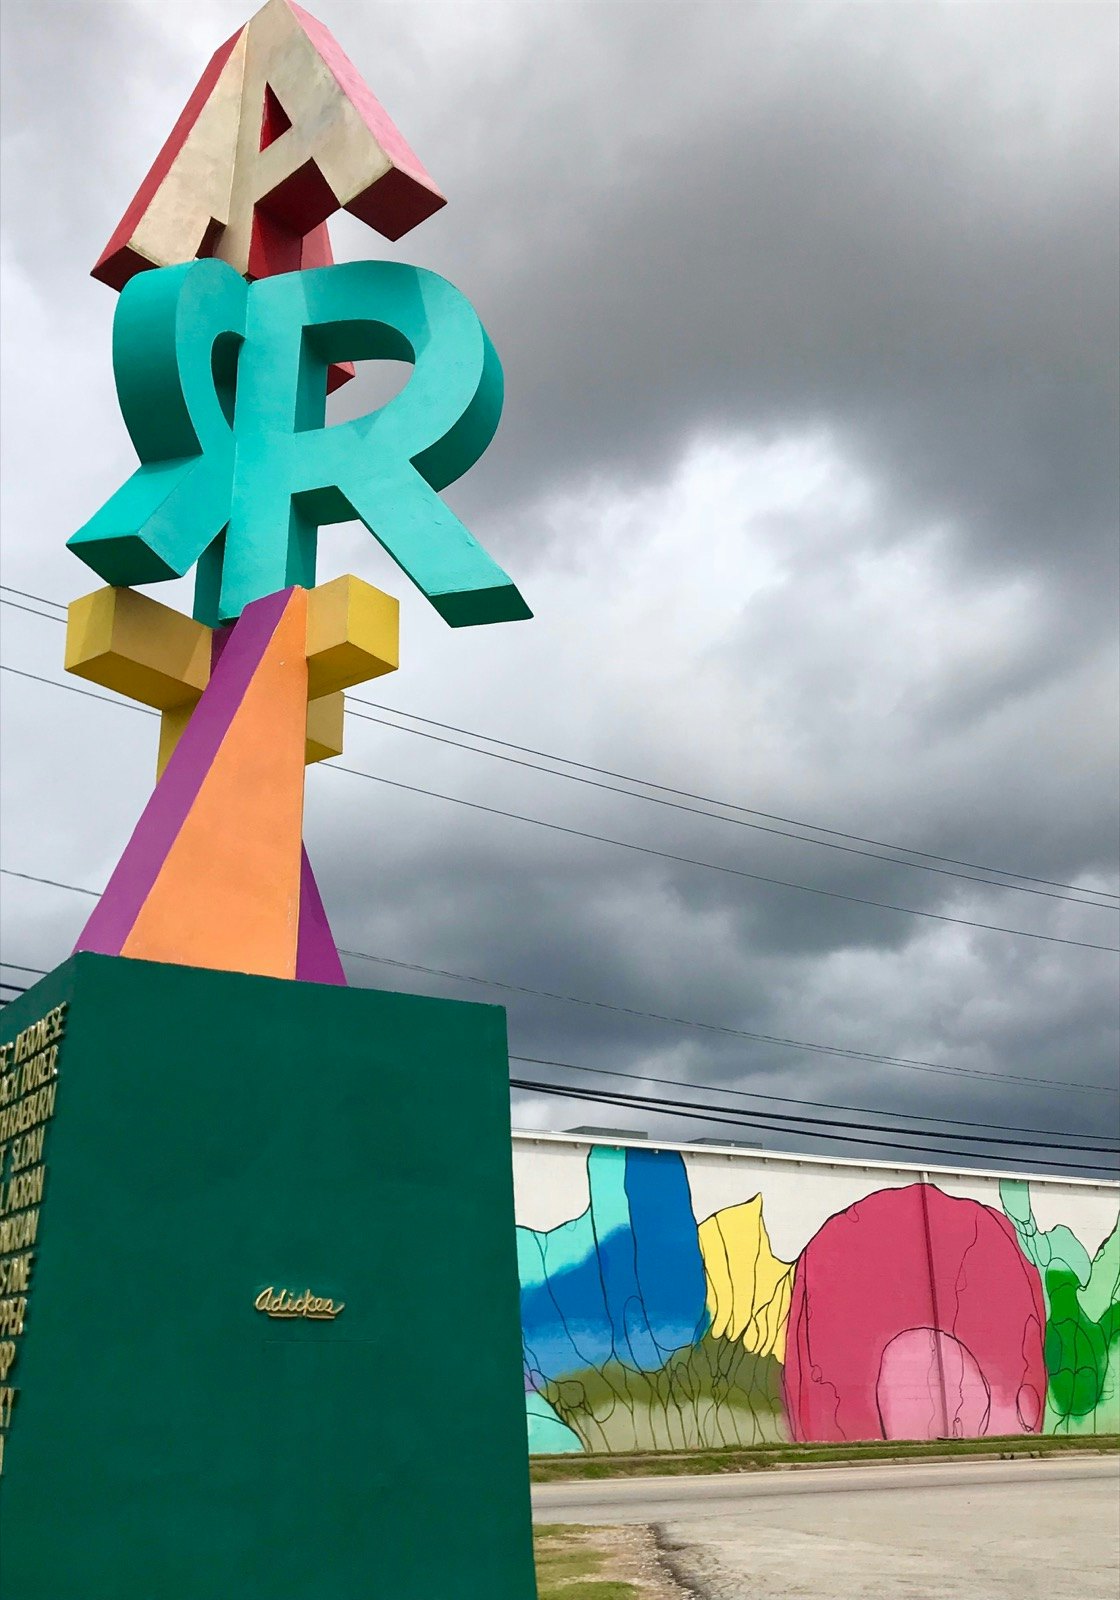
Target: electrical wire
column 765, row 1117
column 1042, row 1134
column 15, row 605
column 755, row 1118
column 633, row 1102
column 772, row 1039
column 41, row 598
column 845, row 1052
column 739, row 822
column 73, row 688
column 870, row 1057
column 52, row 883
column 874, row 1058
column 727, row 805
column 750, row 1094
column 713, row 866
column 648, row 850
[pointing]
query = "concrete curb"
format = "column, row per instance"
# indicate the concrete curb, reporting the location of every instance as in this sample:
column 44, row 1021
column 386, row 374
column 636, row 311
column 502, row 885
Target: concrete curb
column 666, row 1554
column 966, row 1458
column 929, row 1461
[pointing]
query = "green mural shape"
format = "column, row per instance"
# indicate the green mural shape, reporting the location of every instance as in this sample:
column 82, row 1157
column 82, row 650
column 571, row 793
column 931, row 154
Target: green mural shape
column 711, row 1395
column 1082, row 1298
column 222, row 385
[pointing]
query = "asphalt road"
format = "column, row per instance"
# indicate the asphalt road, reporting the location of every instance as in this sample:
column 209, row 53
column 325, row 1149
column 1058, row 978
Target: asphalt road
column 975, row 1530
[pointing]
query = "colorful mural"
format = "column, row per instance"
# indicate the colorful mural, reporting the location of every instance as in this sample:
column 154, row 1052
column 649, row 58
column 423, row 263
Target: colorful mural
column 912, row 1312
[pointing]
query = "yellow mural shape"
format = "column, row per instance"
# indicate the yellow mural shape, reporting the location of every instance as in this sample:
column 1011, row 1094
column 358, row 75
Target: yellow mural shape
column 748, row 1287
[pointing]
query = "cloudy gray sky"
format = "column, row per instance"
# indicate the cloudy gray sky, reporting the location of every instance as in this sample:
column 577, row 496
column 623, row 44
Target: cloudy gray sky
column 808, row 315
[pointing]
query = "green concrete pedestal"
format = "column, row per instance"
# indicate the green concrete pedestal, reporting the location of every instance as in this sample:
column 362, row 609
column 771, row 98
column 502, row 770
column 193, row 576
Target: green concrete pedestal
column 211, row 1136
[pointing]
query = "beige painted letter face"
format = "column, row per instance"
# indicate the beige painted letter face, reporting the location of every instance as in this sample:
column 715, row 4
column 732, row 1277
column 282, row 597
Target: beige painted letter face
column 185, row 199
column 279, row 134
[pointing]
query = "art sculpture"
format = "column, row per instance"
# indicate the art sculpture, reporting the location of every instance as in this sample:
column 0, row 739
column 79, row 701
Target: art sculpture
column 257, row 1396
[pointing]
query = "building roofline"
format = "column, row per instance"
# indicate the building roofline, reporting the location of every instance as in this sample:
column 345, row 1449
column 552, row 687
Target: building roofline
column 650, row 1142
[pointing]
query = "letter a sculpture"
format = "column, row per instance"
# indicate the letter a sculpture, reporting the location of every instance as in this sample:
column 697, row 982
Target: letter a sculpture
column 266, row 1339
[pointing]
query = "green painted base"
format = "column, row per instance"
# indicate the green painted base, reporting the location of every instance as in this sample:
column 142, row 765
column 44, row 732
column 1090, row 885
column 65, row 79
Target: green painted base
column 213, row 1136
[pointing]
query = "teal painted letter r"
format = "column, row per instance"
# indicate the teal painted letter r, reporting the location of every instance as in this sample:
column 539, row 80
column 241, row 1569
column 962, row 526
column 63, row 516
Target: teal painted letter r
column 222, row 385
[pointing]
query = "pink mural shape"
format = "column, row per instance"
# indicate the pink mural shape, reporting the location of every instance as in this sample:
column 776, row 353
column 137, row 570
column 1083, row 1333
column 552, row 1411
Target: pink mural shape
column 914, row 1315
column 920, row 1365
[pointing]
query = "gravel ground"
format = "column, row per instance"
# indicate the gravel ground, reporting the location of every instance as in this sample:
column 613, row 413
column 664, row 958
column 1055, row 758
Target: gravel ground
column 981, row 1530
column 632, row 1556
column 981, row 1539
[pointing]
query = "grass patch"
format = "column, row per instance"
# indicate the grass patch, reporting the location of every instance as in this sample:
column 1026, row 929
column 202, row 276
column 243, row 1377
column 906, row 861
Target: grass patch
column 555, row 1469
column 607, row 1590
column 568, row 1559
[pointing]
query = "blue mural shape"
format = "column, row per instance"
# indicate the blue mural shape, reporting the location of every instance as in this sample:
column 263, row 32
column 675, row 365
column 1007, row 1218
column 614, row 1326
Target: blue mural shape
column 621, row 1283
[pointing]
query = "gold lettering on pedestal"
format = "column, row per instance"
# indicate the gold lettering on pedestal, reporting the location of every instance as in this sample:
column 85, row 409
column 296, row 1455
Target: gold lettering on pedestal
column 25, row 1113
column 38, row 1070
column 28, row 1090
column 16, row 1233
column 22, row 1192
column 12, row 1312
column 27, row 1150
column 15, row 1274
column 40, row 1034
column 283, row 1303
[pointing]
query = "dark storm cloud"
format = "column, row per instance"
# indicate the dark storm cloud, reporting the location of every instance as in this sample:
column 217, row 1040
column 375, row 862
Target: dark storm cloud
column 842, row 217
column 808, row 317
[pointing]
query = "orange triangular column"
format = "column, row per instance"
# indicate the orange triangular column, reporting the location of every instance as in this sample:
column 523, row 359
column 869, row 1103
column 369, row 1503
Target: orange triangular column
column 211, row 876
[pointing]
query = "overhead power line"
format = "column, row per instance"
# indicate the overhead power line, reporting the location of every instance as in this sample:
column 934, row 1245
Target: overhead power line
column 767, row 1117
column 992, row 1133
column 871, row 1057
column 1043, row 1135
column 73, row 688
column 925, row 856
column 728, row 805
column 739, row 822
column 773, row 1122
column 41, row 598
column 31, row 610
column 642, row 849
column 714, row 866
column 634, row 1102
column 747, row 1094
column 51, row 883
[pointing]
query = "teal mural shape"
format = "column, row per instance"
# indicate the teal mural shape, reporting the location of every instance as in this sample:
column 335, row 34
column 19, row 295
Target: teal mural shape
column 222, row 385
column 1082, row 1295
